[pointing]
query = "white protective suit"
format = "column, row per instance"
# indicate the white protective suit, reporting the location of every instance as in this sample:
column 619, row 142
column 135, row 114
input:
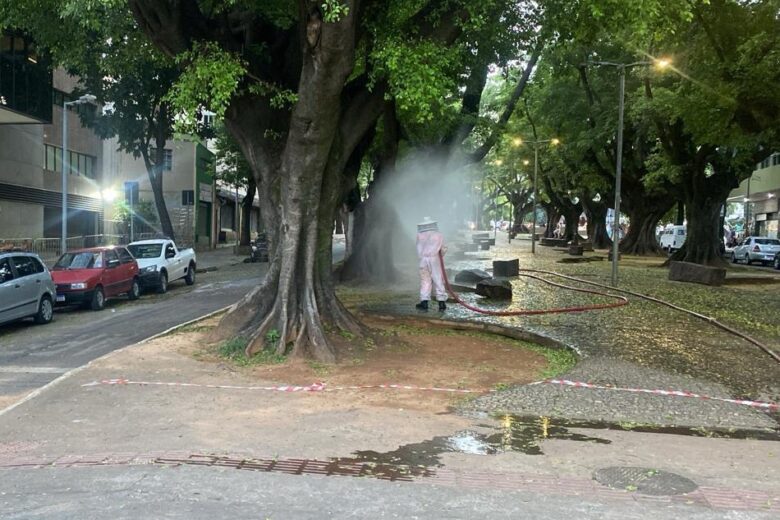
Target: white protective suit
column 429, row 243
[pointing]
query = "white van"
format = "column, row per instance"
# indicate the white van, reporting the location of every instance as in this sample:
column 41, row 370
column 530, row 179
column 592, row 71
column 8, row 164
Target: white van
column 672, row 238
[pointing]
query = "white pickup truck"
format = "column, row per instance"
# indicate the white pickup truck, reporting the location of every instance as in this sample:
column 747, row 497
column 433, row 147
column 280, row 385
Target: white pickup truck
column 161, row 262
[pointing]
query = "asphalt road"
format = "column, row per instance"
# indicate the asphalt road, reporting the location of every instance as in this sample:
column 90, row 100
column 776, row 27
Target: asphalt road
column 31, row 356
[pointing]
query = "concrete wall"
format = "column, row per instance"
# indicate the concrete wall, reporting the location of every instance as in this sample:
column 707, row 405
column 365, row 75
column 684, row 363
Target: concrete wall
column 21, row 155
column 20, row 220
column 22, row 163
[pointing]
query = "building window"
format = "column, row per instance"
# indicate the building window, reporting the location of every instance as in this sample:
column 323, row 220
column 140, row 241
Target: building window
column 775, row 159
column 51, row 159
column 167, row 158
column 80, row 164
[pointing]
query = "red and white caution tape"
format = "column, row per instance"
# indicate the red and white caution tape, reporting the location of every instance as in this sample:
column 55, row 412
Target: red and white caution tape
column 675, row 393
column 314, row 387
column 322, row 387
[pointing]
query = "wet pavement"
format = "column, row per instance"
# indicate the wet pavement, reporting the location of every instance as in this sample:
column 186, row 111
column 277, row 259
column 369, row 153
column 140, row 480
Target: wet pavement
column 643, row 344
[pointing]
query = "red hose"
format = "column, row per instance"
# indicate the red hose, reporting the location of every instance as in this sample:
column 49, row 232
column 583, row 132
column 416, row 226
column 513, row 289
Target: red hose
column 528, row 312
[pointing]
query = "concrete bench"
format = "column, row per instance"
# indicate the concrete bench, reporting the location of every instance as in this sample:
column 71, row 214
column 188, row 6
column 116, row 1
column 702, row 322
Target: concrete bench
column 506, row 268
column 495, row 289
column 696, row 273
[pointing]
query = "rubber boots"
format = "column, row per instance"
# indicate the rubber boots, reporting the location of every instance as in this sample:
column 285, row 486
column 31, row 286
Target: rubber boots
column 422, row 306
column 442, row 306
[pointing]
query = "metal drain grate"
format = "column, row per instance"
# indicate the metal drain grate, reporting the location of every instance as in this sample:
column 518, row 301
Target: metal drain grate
column 646, row 481
column 334, row 467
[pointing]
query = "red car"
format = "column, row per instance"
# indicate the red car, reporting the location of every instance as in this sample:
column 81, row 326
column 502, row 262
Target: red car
column 88, row 276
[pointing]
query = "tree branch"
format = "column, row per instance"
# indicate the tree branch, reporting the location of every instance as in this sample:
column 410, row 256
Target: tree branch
column 517, row 93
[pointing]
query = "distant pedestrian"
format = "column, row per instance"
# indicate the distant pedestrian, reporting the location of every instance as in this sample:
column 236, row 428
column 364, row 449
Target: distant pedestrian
column 430, row 243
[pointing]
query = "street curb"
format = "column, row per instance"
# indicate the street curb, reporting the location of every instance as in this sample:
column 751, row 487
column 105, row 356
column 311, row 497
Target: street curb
column 38, row 391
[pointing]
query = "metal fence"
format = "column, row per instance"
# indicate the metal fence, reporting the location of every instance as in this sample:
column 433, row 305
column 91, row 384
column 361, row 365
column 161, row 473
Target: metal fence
column 50, row 248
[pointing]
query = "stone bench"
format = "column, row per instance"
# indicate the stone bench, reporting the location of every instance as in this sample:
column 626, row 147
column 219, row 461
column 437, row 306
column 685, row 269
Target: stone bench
column 472, row 276
column 506, row 268
column 696, row 273
column 495, row 289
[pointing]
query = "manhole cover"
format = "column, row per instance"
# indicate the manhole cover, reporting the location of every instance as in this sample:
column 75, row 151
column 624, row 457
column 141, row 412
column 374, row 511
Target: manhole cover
column 647, row 481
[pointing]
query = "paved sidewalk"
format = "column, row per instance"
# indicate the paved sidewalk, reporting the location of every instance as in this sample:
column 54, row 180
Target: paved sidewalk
column 125, row 434
column 223, row 256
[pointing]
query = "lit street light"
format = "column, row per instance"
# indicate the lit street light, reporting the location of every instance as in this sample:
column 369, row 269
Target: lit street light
column 518, row 142
column 86, row 98
column 660, row 64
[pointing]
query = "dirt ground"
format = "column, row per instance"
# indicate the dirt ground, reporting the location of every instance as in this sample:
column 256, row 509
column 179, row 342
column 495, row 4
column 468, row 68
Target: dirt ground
column 397, row 353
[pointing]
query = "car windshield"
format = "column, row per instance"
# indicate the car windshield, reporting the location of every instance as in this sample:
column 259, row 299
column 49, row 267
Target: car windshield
column 83, row 260
column 768, row 241
column 145, row 250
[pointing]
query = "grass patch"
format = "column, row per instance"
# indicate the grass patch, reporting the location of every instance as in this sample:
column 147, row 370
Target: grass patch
column 234, row 350
column 559, row 361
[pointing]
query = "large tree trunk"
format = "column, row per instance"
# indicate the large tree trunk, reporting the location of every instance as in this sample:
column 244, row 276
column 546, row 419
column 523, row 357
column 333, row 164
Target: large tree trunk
column 596, row 213
column 154, row 168
column 372, row 252
column 704, row 234
column 572, row 214
column 296, row 297
column 707, row 184
column 519, row 213
column 553, row 216
column 246, row 213
column 644, row 216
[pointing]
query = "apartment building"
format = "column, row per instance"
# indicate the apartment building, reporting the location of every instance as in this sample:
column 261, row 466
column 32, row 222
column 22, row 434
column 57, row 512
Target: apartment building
column 31, row 116
column 32, row 100
column 760, row 194
column 188, row 189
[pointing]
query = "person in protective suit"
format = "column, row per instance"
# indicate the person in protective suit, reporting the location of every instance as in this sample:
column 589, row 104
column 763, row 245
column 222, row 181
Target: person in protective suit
column 429, row 243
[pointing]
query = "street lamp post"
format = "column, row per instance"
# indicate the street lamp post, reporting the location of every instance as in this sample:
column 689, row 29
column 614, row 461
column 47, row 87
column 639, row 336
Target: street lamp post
column 621, row 67
column 86, row 98
column 517, row 142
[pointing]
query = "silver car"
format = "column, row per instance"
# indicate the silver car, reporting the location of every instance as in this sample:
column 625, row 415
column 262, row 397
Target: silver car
column 26, row 288
column 756, row 249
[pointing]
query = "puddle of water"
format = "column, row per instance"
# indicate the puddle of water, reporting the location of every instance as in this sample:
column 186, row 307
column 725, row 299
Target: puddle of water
column 514, row 434
column 521, row 434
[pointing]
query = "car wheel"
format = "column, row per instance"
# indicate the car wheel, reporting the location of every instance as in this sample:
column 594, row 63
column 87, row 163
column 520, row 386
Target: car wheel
column 98, row 299
column 162, row 283
column 45, row 311
column 748, row 261
column 135, row 290
column 190, row 278
column 776, row 263
column 734, row 259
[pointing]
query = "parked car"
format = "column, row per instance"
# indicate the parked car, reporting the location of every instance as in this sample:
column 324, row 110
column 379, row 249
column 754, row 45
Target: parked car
column 672, row 238
column 161, row 262
column 26, row 288
column 756, row 249
column 90, row 276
